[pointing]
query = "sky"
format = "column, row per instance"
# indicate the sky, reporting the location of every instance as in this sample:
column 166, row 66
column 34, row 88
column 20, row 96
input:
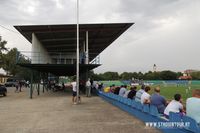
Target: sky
column 165, row 33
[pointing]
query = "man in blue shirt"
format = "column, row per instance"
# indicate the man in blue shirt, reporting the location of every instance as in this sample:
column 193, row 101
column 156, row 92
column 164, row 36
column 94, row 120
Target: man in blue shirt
column 158, row 100
column 192, row 105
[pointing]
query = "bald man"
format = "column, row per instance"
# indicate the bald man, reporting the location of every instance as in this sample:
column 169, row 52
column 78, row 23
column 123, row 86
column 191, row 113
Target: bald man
column 158, row 100
column 192, row 105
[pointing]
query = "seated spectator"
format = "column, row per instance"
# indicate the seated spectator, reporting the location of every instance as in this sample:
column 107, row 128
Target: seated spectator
column 116, row 91
column 192, row 106
column 145, row 98
column 122, row 90
column 126, row 93
column 174, row 106
column 139, row 94
column 132, row 93
column 112, row 88
column 158, row 100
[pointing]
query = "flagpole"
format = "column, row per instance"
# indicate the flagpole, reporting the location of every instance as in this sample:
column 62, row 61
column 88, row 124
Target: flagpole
column 77, row 53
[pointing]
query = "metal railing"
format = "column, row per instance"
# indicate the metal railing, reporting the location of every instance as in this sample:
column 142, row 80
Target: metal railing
column 53, row 58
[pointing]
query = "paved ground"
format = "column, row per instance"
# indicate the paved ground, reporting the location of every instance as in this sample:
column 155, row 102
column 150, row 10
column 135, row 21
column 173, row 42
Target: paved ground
column 52, row 112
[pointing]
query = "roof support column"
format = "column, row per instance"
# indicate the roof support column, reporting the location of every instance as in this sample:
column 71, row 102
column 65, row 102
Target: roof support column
column 31, row 87
column 87, row 49
column 77, row 52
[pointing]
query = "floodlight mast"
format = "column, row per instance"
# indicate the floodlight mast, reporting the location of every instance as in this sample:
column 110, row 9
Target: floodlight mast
column 77, row 53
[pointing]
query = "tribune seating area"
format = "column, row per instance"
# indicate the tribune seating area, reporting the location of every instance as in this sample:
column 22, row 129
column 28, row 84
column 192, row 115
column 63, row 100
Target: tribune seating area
column 149, row 113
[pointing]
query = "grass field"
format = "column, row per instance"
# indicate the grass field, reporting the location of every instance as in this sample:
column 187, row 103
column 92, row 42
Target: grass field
column 167, row 91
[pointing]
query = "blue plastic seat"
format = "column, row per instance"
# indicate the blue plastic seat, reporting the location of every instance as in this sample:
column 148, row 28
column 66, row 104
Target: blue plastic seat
column 146, row 108
column 193, row 126
column 138, row 105
column 129, row 101
column 175, row 117
column 133, row 104
column 153, row 110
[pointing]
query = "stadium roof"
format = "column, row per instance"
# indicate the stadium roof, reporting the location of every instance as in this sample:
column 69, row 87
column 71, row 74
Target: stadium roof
column 62, row 38
column 60, row 69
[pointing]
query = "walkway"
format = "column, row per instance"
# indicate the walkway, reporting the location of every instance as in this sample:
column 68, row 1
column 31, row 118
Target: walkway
column 52, row 112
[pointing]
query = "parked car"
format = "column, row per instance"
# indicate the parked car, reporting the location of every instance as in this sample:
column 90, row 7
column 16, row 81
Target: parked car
column 10, row 82
column 3, row 90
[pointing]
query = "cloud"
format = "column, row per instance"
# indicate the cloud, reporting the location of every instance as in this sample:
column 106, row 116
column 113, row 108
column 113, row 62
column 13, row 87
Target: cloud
column 165, row 31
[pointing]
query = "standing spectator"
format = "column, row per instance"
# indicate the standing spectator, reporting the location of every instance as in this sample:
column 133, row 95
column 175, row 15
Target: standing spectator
column 27, row 83
column 174, row 106
column 139, row 94
column 88, row 88
column 158, row 100
column 74, row 92
column 20, row 85
column 132, row 93
column 192, row 105
column 122, row 90
column 17, row 86
column 145, row 98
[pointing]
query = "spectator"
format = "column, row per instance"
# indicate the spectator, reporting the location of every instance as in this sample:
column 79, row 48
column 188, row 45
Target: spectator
column 158, row 100
column 74, row 92
column 116, row 91
column 17, row 86
column 126, row 93
column 112, row 88
column 88, row 88
column 139, row 94
column 174, row 106
column 122, row 90
column 145, row 98
column 192, row 106
column 132, row 93
column 20, row 85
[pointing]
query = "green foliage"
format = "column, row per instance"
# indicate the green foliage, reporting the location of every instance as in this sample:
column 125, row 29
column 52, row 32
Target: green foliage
column 163, row 75
column 168, row 75
column 195, row 75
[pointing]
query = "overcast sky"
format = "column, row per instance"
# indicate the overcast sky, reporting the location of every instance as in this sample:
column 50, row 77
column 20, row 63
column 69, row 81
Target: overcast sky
column 165, row 33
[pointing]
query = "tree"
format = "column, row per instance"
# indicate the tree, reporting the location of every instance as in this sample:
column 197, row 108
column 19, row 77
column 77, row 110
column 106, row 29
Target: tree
column 111, row 76
column 168, row 75
column 126, row 76
column 2, row 49
column 195, row 75
column 3, row 45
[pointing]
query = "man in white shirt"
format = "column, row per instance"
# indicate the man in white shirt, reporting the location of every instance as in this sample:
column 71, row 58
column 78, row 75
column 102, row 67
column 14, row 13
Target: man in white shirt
column 145, row 97
column 192, row 106
column 122, row 90
column 88, row 88
column 174, row 106
column 74, row 92
column 126, row 93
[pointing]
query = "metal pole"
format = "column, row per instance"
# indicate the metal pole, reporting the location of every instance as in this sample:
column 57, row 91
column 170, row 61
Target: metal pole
column 87, row 50
column 31, row 87
column 77, row 52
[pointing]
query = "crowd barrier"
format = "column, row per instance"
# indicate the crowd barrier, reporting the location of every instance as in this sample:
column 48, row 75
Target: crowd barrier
column 150, row 115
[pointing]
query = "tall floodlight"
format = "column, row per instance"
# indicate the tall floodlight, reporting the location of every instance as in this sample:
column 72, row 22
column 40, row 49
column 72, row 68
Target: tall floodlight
column 77, row 52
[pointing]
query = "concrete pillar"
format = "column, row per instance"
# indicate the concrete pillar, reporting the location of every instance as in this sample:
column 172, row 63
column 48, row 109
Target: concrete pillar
column 39, row 53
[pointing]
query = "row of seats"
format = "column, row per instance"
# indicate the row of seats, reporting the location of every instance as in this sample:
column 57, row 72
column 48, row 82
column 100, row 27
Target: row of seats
column 153, row 111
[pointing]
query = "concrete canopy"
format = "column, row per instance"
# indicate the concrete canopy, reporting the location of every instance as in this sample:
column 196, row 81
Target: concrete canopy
column 62, row 38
